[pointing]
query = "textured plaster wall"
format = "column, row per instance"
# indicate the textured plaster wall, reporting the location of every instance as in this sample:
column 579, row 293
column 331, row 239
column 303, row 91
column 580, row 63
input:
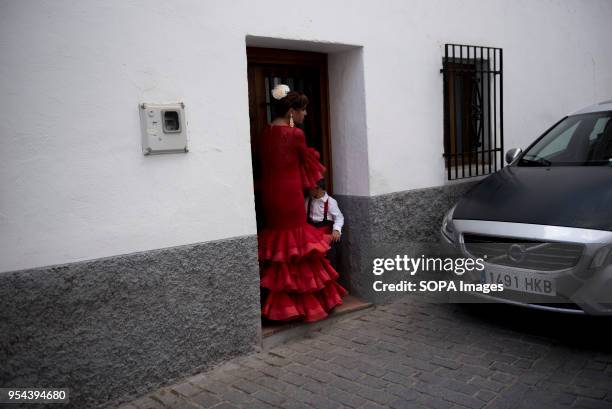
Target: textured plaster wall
column 401, row 223
column 114, row 328
column 73, row 182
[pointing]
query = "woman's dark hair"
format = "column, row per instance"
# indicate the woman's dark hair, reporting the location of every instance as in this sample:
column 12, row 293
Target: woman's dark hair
column 294, row 99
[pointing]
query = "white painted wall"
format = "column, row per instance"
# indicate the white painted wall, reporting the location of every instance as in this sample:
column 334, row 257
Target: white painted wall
column 347, row 102
column 74, row 184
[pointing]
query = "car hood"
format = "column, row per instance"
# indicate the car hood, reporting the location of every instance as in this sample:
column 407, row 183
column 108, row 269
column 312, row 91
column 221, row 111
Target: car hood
column 573, row 196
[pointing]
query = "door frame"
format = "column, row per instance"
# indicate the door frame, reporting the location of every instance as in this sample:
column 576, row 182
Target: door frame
column 275, row 56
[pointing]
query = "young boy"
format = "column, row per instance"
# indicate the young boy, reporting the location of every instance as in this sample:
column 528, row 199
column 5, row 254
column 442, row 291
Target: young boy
column 322, row 212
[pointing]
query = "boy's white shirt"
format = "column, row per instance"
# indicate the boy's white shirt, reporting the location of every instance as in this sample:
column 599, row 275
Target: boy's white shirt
column 333, row 211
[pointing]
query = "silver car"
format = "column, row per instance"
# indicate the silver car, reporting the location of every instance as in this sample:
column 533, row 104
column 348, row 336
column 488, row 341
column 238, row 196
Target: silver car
column 543, row 223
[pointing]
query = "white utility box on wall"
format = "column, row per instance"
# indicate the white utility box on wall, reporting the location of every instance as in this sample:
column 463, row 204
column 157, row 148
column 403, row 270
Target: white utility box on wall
column 163, row 128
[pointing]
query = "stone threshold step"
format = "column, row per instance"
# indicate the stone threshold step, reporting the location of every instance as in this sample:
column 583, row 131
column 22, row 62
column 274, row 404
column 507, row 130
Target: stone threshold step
column 277, row 334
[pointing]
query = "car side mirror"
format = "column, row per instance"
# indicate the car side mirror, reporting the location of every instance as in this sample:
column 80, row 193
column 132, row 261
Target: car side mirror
column 512, row 154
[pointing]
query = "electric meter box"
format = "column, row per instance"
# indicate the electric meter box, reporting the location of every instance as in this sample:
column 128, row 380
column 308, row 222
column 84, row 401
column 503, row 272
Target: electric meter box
column 163, row 128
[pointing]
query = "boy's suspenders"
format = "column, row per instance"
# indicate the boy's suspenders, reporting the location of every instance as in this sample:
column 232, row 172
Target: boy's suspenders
column 323, row 222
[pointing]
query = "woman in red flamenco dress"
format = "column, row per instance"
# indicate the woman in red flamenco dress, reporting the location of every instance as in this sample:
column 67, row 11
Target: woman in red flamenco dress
column 297, row 281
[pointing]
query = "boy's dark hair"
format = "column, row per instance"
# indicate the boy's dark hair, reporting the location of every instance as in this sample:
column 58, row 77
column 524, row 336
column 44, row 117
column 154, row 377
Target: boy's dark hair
column 321, row 183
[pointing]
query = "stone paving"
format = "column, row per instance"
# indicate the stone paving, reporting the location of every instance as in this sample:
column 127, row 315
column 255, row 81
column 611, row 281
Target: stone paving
column 412, row 354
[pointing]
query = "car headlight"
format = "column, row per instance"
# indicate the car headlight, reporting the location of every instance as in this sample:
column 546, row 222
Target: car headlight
column 448, row 228
column 602, row 257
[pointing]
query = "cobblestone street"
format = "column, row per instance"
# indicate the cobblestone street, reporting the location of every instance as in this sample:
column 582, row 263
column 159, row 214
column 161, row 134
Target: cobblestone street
column 415, row 355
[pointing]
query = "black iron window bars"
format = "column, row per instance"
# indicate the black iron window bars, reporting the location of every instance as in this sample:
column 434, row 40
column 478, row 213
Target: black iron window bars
column 473, row 110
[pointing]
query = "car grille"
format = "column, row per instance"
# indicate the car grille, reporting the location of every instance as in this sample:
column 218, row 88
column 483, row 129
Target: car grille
column 523, row 253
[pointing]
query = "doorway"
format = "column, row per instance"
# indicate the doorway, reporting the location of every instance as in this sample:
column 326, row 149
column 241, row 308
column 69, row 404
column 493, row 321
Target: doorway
column 305, row 72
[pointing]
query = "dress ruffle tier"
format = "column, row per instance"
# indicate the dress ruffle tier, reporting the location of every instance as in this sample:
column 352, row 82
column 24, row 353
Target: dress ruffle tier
column 284, row 245
column 314, row 306
column 306, row 275
column 312, row 170
column 300, row 280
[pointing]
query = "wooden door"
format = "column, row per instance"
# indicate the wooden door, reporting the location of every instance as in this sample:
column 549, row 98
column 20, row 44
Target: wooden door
column 304, row 72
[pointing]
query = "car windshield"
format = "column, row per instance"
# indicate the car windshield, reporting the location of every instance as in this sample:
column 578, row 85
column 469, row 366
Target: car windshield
column 578, row 140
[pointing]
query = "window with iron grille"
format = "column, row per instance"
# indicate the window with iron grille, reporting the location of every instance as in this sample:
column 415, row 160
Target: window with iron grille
column 473, row 110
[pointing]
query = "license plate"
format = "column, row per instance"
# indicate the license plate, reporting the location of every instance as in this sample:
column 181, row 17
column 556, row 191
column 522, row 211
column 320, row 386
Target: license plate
column 526, row 282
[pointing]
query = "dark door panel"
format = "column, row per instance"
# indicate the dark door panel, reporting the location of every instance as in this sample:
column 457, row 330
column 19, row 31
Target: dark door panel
column 304, row 72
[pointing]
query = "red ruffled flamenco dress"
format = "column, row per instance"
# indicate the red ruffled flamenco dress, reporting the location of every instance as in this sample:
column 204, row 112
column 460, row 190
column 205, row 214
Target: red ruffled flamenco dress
column 297, row 280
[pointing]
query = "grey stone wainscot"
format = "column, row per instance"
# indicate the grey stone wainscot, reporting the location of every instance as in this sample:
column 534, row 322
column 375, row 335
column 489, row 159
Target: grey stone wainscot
column 401, row 223
column 114, row 328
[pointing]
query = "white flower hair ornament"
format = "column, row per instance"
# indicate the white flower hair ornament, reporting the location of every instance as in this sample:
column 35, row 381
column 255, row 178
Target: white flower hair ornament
column 280, row 91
